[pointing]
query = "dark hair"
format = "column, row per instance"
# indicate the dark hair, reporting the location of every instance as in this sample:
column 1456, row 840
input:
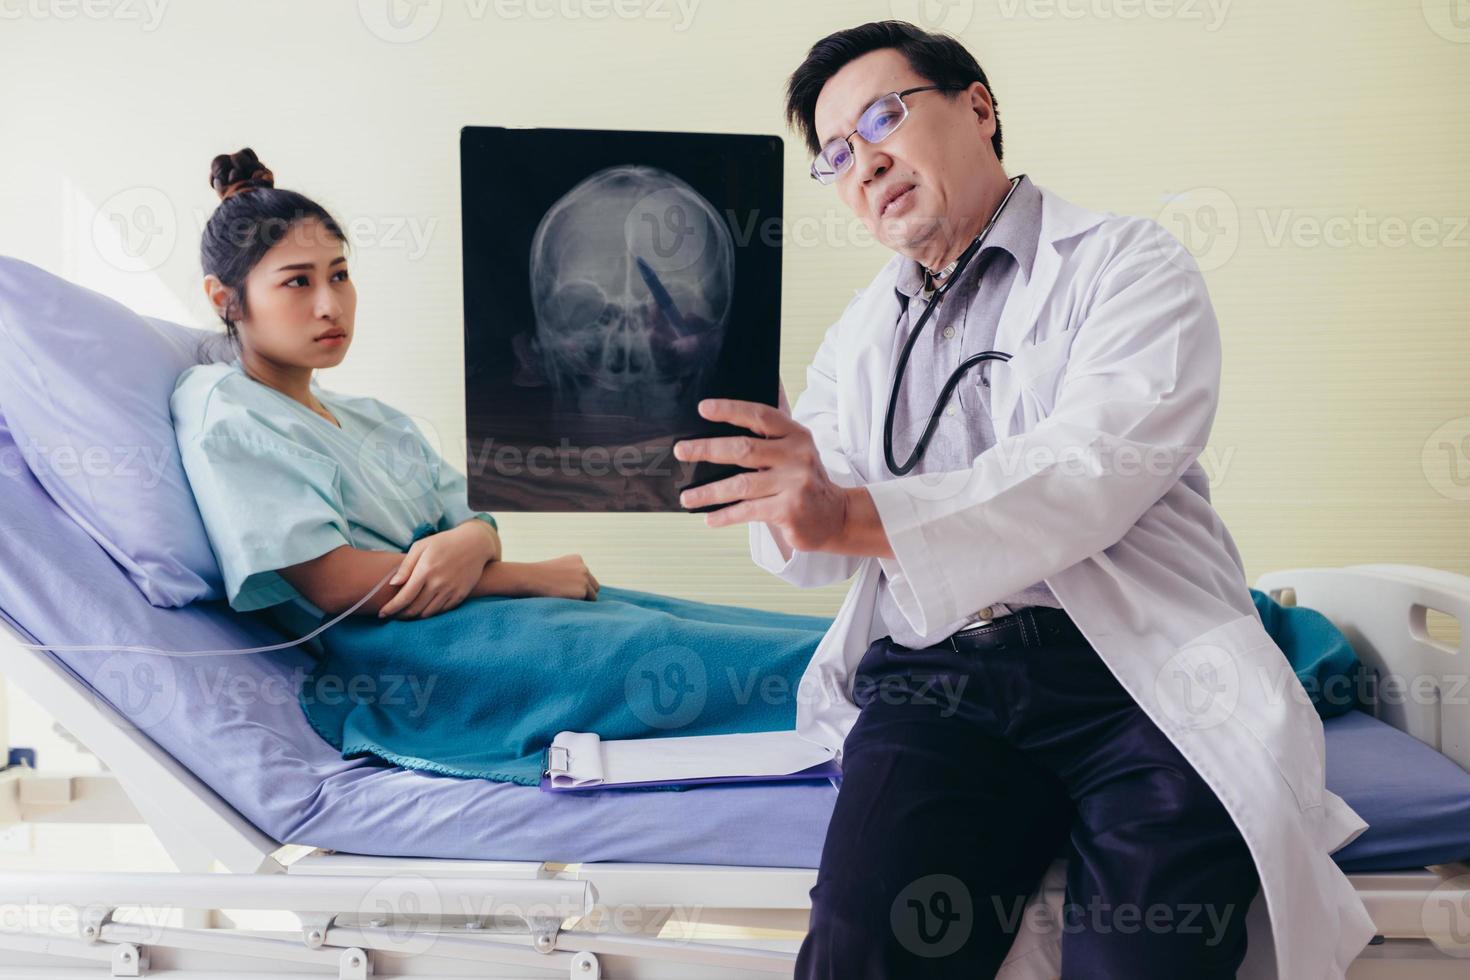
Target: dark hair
column 253, row 215
column 938, row 58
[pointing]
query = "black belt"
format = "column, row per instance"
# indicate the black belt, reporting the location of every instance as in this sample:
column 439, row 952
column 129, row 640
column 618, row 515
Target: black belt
column 1033, row 626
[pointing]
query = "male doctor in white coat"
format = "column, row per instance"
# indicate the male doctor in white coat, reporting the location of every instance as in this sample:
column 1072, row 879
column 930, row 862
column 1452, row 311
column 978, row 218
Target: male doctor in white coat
column 1050, row 649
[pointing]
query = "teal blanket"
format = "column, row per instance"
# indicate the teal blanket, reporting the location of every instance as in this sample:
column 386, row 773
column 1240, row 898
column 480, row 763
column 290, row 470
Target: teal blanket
column 482, row 689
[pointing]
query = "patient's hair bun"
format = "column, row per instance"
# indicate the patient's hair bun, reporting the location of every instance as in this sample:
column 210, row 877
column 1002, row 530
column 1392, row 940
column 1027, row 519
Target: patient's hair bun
column 236, row 173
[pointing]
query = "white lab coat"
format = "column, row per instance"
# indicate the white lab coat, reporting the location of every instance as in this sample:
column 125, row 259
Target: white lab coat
column 1093, row 486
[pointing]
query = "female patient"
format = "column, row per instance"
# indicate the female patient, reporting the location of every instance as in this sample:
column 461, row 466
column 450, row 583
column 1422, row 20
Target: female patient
column 310, row 498
column 313, row 493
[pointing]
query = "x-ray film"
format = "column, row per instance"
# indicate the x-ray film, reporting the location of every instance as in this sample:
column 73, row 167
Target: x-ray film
column 612, row 280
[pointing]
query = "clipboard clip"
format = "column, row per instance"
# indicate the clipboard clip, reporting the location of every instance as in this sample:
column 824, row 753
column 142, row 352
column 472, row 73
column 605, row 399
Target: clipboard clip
column 556, row 760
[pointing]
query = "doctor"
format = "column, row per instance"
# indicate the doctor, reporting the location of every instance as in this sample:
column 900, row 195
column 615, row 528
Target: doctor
column 1049, row 649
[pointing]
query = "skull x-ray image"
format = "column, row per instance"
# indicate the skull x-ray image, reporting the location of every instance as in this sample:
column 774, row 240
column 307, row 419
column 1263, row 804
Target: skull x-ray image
column 632, row 277
column 612, row 280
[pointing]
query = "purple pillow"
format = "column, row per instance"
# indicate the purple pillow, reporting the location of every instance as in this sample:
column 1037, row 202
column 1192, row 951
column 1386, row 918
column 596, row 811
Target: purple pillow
column 85, row 385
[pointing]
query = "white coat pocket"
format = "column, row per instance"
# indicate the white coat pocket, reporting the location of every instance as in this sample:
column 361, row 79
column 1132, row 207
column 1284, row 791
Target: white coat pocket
column 1034, row 376
column 1035, row 361
column 1238, row 672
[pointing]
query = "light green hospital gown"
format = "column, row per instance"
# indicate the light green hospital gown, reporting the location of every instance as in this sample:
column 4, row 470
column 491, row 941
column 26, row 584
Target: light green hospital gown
column 277, row 484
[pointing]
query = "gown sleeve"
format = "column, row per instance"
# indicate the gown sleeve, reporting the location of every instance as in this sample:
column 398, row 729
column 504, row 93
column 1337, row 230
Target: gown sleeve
column 267, row 504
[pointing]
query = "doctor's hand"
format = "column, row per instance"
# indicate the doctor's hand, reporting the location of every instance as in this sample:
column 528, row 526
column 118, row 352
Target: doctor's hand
column 789, row 488
column 440, row 570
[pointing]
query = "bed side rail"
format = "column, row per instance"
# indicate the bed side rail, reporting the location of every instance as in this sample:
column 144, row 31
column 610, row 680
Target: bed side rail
column 1415, row 681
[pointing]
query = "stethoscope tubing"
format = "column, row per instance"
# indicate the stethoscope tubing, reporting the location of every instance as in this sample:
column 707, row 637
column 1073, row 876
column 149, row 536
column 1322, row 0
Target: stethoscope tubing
column 949, row 385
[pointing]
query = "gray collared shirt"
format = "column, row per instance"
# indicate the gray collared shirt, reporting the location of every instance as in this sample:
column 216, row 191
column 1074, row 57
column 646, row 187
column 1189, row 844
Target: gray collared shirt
column 965, row 324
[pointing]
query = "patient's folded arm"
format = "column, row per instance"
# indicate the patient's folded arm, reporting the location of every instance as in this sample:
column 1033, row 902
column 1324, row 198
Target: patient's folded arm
column 507, row 578
column 334, row 581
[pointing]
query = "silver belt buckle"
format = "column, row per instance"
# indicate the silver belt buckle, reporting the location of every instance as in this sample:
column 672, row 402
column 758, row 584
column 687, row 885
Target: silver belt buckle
column 987, row 618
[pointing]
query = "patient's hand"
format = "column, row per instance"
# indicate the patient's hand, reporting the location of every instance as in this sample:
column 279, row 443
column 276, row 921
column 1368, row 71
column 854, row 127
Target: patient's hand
column 438, row 573
column 566, row 577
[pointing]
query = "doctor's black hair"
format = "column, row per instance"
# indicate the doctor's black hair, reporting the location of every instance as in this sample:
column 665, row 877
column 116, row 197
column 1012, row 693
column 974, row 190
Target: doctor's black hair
column 253, row 215
column 939, row 58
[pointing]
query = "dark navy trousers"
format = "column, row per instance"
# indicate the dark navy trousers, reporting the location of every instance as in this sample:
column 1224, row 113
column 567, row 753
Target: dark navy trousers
column 973, row 765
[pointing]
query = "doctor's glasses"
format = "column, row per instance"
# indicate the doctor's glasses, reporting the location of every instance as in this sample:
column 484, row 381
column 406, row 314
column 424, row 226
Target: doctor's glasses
column 877, row 123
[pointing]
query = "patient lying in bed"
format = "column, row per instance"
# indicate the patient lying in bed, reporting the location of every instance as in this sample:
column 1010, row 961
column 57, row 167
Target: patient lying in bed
column 311, row 497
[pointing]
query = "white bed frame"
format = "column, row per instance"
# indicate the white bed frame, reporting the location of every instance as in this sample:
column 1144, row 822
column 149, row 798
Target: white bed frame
column 358, row 916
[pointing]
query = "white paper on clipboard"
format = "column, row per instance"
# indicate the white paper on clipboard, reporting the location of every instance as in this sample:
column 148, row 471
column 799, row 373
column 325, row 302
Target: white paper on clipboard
column 581, row 759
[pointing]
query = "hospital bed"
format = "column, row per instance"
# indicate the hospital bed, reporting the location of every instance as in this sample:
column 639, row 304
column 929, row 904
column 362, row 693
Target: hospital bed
column 381, row 871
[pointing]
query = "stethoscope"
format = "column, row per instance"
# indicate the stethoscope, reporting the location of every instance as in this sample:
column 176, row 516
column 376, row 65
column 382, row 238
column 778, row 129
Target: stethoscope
column 949, row 275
